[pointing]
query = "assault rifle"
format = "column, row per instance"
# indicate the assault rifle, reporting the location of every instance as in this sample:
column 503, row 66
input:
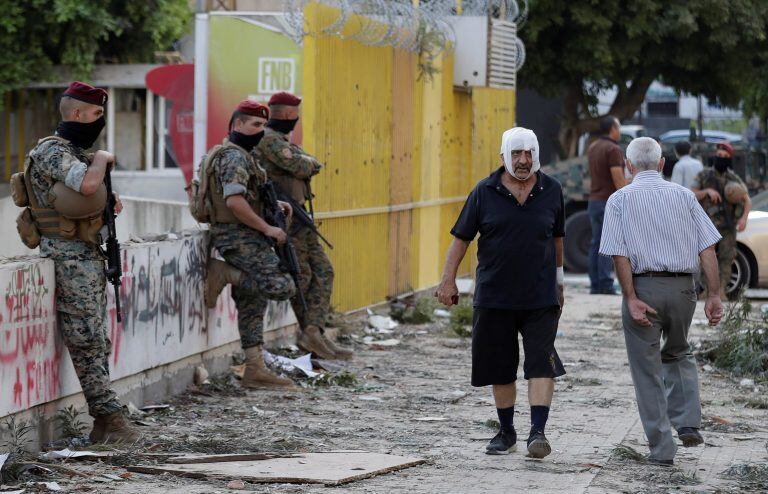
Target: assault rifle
column 300, row 214
column 114, row 269
column 274, row 215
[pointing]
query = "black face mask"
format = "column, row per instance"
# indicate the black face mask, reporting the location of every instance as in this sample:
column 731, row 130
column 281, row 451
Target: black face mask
column 82, row 135
column 283, row 126
column 245, row 141
column 722, row 164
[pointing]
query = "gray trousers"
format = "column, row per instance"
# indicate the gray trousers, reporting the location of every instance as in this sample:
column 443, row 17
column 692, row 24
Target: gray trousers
column 663, row 367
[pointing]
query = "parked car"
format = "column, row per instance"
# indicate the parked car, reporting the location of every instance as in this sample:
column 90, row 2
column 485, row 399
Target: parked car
column 711, row 136
column 750, row 269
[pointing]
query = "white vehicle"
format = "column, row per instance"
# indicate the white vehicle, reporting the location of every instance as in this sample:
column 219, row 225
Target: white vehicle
column 711, row 136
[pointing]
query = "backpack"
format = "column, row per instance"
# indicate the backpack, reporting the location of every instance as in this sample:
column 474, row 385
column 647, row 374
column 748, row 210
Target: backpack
column 200, row 205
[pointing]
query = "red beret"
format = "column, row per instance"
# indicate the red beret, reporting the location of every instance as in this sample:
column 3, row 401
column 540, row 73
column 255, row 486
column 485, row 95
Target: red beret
column 87, row 93
column 284, row 98
column 725, row 146
column 250, row 107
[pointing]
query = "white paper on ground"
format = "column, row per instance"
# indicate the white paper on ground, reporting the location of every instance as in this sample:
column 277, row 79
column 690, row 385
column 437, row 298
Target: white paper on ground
column 382, row 322
column 65, row 453
column 303, row 363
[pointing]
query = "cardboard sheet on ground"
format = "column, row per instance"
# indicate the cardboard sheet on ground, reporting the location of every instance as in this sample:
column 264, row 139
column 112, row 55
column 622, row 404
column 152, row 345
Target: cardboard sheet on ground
column 332, row 468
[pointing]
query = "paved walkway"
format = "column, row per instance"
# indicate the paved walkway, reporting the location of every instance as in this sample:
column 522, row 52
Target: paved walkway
column 428, row 375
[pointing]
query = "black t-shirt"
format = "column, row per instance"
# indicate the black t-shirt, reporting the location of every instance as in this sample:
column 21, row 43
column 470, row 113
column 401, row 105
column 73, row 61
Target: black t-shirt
column 516, row 250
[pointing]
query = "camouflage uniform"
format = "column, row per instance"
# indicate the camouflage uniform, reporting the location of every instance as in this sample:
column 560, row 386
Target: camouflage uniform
column 81, row 299
column 724, row 216
column 248, row 250
column 282, row 159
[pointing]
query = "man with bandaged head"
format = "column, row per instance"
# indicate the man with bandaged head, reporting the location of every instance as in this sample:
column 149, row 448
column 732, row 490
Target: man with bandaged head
column 724, row 197
column 520, row 215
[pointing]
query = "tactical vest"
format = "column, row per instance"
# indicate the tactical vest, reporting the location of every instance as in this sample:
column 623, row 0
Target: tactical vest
column 73, row 215
column 212, row 207
column 294, row 187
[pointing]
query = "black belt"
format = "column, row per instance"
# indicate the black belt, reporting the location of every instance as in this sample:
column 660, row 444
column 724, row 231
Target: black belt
column 660, row 274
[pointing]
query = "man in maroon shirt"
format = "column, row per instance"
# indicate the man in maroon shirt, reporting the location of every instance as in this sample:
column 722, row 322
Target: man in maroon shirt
column 606, row 168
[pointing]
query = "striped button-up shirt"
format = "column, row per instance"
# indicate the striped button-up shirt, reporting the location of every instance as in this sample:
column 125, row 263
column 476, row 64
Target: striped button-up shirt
column 658, row 225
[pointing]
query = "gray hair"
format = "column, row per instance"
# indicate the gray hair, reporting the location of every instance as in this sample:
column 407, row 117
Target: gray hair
column 644, row 153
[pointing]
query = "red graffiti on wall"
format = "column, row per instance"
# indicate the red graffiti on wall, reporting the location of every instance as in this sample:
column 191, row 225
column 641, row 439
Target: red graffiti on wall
column 30, row 353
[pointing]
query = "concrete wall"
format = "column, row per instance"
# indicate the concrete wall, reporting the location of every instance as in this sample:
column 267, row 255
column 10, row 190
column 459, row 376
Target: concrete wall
column 140, row 216
column 165, row 327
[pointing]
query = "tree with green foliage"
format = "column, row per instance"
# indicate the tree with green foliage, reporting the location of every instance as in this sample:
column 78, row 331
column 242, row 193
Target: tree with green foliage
column 36, row 35
column 578, row 48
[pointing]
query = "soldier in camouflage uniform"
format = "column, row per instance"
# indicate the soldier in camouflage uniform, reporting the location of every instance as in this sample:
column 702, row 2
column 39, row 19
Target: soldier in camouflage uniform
column 245, row 241
column 729, row 217
column 79, row 266
column 291, row 169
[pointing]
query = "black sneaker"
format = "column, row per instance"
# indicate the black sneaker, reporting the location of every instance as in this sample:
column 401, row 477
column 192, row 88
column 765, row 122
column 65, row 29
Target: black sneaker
column 538, row 446
column 502, row 443
column 690, row 436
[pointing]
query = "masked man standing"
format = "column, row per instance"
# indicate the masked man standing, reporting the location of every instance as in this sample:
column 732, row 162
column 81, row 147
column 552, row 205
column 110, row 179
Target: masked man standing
column 520, row 215
column 291, row 169
column 245, row 240
column 67, row 194
column 724, row 197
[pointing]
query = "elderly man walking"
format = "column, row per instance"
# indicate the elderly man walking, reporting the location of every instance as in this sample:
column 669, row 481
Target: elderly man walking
column 657, row 232
column 520, row 216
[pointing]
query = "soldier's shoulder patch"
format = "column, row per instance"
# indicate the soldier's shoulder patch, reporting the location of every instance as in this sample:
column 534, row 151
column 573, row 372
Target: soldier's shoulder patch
column 287, row 153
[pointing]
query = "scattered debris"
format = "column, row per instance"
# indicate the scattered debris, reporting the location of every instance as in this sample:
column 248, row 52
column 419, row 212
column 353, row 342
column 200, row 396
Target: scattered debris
column 134, row 411
column 442, row 313
column 381, row 322
column 382, row 343
column 290, row 366
column 67, row 453
column 583, row 381
column 237, row 485
column 413, row 311
column 751, row 476
column 344, row 379
column 332, row 468
column 492, row 424
column 750, row 402
column 152, row 408
column 747, row 383
column 369, row 398
column 627, row 453
column 431, row 419
column 201, row 375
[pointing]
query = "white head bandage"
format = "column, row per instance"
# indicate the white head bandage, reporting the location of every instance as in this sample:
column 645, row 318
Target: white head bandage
column 520, row 139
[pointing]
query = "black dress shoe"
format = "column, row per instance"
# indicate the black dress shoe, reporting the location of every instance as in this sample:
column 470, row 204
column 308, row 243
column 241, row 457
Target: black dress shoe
column 690, row 436
column 661, row 463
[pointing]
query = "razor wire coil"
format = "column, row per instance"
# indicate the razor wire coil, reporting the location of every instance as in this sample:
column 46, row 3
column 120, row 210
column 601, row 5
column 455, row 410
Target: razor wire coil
column 400, row 23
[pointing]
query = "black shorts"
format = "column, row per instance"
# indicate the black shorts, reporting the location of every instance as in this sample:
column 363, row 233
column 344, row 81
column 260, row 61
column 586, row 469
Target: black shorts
column 495, row 350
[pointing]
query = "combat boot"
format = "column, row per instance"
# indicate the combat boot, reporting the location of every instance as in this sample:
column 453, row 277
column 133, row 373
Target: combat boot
column 114, row 428
column 219, row 275
column 311, row 340
column 257, row 376
column 340, row 352
column 97, row 434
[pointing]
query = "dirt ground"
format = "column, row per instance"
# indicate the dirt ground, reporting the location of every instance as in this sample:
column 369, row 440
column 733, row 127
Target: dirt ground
column 427, row 375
